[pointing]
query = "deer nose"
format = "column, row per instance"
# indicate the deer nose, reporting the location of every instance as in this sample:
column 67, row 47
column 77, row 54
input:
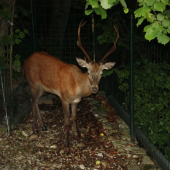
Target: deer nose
column 94, row 89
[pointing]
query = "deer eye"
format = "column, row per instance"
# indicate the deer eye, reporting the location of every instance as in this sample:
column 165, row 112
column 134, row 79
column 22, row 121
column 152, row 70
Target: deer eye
column 88, row 73
column 101, row 74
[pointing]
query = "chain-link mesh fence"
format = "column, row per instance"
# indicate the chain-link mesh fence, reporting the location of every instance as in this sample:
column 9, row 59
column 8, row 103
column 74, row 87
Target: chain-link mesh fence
column 150, row 60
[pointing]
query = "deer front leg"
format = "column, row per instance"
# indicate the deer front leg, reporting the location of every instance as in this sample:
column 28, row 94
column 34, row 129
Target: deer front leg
column 65, row 108
column 74, row 118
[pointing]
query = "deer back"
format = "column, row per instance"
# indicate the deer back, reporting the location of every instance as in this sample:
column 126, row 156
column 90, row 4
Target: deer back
column 56, row 76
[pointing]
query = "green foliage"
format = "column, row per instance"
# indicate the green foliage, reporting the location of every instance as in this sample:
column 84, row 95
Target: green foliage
column 100, row 6
column 151, row 99
column 4, row 12
column 101, row 11
column 15, row 38
column 12, row 39
column 158, row 15
column 17, row 62
column 107, row 73
column 108, row 35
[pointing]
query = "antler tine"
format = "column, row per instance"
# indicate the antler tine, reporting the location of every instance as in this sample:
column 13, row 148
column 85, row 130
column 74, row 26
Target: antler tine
column 79, row 41
column 114, row 46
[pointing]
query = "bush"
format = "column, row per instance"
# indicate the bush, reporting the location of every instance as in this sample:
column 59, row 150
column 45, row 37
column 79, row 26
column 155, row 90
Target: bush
column 151, row 99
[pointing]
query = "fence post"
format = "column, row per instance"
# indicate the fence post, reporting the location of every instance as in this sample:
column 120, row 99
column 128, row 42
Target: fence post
column 93, row 31
column 33, row 29
column 131, row 80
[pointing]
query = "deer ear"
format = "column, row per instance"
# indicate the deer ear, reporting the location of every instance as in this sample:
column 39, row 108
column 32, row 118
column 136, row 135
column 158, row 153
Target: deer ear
column 108, row 66
column 82, row 62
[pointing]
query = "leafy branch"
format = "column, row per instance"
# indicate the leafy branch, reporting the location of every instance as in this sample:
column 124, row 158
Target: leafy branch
column 100, row 6
column 157, row 14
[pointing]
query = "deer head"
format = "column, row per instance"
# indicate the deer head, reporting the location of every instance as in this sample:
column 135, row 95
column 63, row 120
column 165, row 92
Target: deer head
column 95, row 70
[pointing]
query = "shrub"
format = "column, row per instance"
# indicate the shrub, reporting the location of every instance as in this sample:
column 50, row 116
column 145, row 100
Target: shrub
column 151, row 99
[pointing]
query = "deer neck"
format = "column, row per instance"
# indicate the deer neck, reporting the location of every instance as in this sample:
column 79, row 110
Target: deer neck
column 85, row 85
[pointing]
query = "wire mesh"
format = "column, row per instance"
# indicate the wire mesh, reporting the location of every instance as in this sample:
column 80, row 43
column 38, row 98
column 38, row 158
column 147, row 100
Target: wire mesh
column 151, row 67
column 151, row 90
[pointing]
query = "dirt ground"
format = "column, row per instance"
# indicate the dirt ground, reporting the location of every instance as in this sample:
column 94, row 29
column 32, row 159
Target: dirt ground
column 23, row 150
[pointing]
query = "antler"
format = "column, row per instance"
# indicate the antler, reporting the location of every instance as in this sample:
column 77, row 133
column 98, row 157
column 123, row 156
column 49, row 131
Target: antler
column 79, row 41
column 114, row 46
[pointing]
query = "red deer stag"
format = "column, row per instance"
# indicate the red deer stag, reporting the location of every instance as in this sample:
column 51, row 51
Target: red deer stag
column 47, row 73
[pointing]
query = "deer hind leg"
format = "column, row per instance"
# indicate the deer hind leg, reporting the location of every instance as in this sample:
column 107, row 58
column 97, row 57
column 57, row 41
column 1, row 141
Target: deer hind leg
column 36, row 94
column 74, row 118
column 65, row 108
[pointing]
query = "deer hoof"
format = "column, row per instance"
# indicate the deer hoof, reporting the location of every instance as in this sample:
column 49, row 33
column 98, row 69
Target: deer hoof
column 44, row 128
column 35, row 132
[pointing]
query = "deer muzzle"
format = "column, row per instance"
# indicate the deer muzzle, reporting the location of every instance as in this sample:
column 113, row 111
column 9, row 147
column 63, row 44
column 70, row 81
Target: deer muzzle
column 95, row 89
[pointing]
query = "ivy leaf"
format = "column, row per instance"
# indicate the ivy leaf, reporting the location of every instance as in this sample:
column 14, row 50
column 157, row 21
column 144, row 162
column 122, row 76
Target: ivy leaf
column 87, row 4
column 142, row 11
column 94, row 3
column 148, row 28
column 167, row 12
column 140, row 20
column 160, row 17
column 150, row 35
column 111, row 1
column 21, row 35
column 17, row 63
column 150, row 2
column 17, row 41
column 155, row 24
column 88, row 12
column 168, row 30
column 17, row 57
column 163, row 39
column 105, row 4
column 150, row 17
column 107, row 72
column 142, row 3
column 165, row 2
column 159, row 27
column 17, row 30
column 165, row 31
column 101, row 11
column 159, row 6
column 165, row 22
column 26, row 31
column 169, row 27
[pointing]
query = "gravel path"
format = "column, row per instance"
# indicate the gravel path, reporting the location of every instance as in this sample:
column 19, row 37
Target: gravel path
column 106, row 141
